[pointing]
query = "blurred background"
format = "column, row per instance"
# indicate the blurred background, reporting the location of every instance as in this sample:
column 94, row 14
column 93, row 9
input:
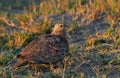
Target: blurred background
column 93, row 32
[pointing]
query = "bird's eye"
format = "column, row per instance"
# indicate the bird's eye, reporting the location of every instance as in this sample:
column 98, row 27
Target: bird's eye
column 61, row 25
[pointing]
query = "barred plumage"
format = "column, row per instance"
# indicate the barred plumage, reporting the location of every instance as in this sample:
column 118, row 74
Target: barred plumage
column 46, row 49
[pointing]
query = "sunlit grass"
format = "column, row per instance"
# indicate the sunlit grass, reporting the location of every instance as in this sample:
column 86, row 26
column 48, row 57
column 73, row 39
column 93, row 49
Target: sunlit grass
column 99, row 49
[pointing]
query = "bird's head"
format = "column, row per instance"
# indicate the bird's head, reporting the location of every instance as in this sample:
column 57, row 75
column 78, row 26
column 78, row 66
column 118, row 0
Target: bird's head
column 58, row 29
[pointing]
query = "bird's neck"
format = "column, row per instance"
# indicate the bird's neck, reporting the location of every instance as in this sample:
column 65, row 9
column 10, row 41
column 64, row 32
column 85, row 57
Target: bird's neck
column 60, row 33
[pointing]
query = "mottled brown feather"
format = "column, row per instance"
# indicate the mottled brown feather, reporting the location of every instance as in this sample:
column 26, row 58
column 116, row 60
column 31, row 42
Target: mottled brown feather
column 48, row 48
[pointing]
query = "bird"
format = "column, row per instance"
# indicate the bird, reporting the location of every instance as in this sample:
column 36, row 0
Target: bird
column 45, row 49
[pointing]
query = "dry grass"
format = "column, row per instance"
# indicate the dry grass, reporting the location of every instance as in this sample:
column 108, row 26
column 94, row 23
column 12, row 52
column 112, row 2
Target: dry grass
column 93, row 33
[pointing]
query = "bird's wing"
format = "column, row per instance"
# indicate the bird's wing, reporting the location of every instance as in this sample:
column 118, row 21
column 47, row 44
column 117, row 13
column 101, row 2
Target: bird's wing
column 30, row 47
column 47, row 48
column 52, row 48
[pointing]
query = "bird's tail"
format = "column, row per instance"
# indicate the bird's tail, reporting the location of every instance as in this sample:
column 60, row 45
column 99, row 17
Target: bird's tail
column 20, row 63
